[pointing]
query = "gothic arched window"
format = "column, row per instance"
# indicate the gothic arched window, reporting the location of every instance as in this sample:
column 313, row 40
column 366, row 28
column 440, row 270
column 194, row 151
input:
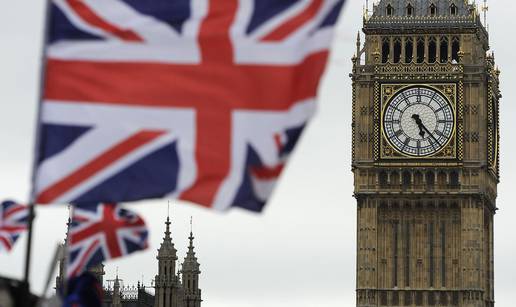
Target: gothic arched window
column 420, row 50
column 386, row 50
column 432, row 50
column 444, row 50
column 390, row 10
column 410, row 10
column 453, row 9
column 455, row 49
column 409, row 50
column 433, row 10
column 397, row 50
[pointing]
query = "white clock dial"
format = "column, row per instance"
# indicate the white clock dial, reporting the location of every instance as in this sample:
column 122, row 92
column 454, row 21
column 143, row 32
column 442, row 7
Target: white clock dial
column 418, row 121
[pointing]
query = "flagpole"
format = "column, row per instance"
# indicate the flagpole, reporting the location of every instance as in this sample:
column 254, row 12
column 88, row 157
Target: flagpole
column 32, row 204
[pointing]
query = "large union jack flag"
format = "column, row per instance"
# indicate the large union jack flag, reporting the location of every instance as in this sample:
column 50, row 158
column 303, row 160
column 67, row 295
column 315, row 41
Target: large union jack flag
column 195, row 99
column 13, row 222
column 102, row 232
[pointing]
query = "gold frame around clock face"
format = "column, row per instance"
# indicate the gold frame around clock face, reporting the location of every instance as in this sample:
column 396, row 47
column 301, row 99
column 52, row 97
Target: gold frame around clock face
column 388, row 92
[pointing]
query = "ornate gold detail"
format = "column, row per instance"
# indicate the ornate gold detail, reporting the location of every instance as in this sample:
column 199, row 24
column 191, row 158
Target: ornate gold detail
column 353, row 121
column 376, row 121
column 452, row 92
column 425, row 68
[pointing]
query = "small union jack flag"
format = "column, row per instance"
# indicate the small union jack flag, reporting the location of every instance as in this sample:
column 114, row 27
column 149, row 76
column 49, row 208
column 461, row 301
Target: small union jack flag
column 202, row 100
column 13, row 221
column 101, row 232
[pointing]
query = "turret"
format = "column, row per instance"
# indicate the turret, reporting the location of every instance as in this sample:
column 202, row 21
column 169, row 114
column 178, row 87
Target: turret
column 167, row 286
column 167, row 256
column 190, row 272
column 117, row 295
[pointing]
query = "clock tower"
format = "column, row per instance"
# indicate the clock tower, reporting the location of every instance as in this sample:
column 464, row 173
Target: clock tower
column 425, row 155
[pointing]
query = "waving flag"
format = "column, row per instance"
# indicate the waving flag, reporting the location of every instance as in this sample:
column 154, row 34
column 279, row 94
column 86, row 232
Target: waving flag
column 195, row 99
column 13, row 221
column 102, row 232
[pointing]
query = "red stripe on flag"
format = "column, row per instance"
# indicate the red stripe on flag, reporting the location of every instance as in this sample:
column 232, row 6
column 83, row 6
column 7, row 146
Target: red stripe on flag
column 88, row 15
column 13, row 229
column 213, row 154
column 295, row 23
column 6, row 243
column 101, row 162
column 267, row 173
column 270, row 88
column 214, row 38
column 85, row 258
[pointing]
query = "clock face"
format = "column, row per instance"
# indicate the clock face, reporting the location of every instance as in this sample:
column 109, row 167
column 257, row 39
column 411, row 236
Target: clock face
column 418, row 121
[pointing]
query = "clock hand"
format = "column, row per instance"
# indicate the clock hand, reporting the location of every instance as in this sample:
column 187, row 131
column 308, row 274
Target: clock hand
column 419, row 124
column 431, row 135
column 422, row 128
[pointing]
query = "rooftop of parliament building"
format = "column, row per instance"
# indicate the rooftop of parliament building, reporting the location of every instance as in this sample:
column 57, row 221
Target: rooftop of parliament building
column 172, row 286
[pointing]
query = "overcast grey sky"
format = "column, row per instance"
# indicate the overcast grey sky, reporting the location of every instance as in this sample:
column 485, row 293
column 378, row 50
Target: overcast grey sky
column 301, row 250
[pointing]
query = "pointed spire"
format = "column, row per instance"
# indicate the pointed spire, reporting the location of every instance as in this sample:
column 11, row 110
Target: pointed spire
column 167, row 230
column 168, row 238
column 190, row 263
column 191, row 237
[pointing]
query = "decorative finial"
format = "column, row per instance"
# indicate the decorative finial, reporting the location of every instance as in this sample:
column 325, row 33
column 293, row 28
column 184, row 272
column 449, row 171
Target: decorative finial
column 485, row 9
column 191, row 224
column 191, row 238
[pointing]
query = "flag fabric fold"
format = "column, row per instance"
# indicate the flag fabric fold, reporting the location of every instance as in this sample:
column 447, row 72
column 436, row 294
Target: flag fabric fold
column 200, row 100
column 13, row 222
column 102, row 232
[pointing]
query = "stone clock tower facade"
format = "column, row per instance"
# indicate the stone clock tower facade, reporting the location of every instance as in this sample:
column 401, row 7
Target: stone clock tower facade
column 425, row 155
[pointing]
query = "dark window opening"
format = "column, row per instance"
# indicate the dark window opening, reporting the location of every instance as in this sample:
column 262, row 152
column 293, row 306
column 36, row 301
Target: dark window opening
column 409, row 50
column 430, row 178
column 407, row 254
column 408, row 299
column 432, row 51
column 443, row 299
column 441, row 179
column 418, row 179
column 382, row 178
column 383, row 298
column 397, row 51
column 454, row 179
column 431, row 299
column 395, row 299
column 410, row 10
column 453, row 9
column 431, row 254
column 433, row 10
column 406, row 179
column 420, row 50
column 443, row 254
column 444, row 50
column 386, row 50
column 395, row 254
column 390, row 10
column 395, row 178
column 419, row 298
column 455, row 50
column 455, row 299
